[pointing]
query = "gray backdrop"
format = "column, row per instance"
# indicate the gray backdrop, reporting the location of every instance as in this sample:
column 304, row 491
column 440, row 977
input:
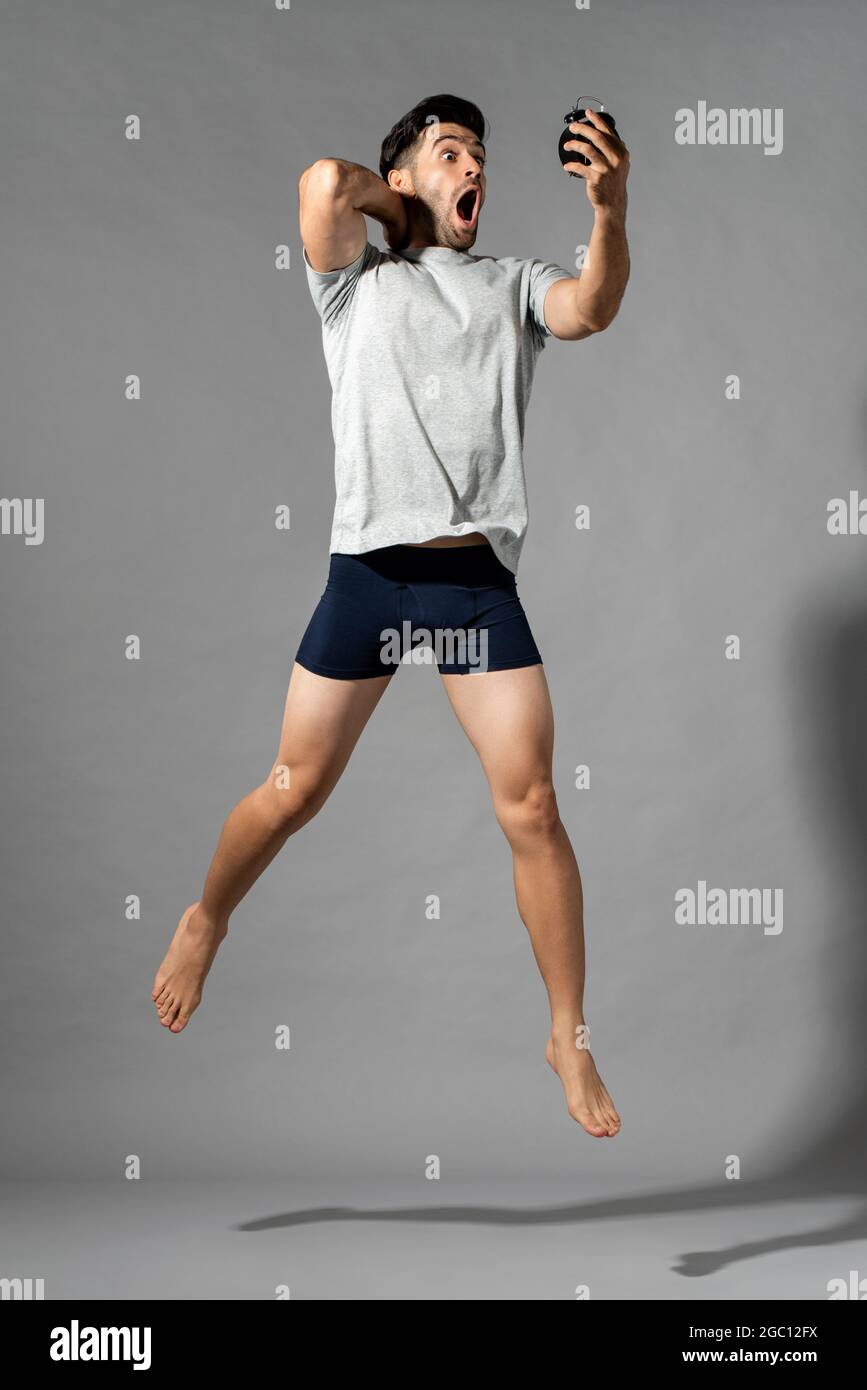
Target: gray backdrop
column 411, row 1037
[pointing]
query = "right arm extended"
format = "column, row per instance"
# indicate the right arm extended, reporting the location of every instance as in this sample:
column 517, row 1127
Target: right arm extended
column 333, row 196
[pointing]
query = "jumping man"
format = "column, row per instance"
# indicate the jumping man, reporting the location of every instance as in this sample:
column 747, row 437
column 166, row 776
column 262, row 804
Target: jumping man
column 431, row 353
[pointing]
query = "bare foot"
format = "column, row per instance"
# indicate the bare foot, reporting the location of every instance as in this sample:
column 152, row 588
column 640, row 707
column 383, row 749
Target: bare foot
column 180, row 979
column 586, row 1097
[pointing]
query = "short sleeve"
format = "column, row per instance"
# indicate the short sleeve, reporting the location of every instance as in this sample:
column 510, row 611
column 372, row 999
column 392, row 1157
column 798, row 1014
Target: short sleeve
column 332, row 291
column 542, row 276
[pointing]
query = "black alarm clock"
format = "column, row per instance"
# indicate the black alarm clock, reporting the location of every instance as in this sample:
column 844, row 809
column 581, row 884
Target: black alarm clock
column 578, row 114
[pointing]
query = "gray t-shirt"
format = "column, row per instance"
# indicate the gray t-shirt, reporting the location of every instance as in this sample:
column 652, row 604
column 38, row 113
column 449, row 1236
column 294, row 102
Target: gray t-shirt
column 431, row 354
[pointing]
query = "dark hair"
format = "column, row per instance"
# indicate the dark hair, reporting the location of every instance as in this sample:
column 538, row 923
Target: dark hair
column 396, row 146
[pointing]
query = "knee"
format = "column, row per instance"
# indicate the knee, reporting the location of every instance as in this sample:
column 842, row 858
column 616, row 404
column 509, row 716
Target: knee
column 531, row 818
column 290, row 801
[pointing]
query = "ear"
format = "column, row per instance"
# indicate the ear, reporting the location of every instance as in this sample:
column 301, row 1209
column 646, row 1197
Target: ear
column 401, row 181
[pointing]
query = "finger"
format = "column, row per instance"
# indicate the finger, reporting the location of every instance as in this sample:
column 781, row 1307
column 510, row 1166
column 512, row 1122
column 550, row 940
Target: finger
column 586, row 145
column 588, row 150
column 595, row 166
column 602, row 135
column 581, row 169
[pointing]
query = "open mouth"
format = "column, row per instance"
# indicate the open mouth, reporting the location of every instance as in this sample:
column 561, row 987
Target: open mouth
column 468, row 206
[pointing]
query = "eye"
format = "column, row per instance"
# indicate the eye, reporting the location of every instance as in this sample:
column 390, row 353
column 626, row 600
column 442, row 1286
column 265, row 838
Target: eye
column 454, row 153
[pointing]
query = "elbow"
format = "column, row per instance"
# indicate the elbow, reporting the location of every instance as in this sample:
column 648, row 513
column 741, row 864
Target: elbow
column 605, row 320
column 325, row 175
column 602, row 321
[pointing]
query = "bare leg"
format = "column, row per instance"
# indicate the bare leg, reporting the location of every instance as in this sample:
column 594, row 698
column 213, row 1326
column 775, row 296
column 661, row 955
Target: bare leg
column 322, row 721
column 507, row 717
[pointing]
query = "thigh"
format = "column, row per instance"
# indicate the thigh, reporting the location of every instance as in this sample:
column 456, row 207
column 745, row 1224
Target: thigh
column 507, row 717
column 322, row 721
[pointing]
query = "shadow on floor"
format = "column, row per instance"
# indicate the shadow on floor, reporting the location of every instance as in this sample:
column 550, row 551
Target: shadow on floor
column 690, row 1263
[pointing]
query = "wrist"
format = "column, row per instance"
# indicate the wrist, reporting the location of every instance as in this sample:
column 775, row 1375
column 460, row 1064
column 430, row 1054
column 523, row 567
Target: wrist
column 611, row 215
column 367, row 192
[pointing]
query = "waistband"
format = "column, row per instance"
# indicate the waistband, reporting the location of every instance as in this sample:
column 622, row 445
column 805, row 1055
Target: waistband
column 450, row 562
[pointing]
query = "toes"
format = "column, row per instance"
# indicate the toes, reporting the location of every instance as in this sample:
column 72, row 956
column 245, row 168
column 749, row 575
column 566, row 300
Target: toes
column 172, row 1012
column 609, row 1121
column 587, row 1120
column 598, row 1120
column 180, row 1023
column 610, row 1111
column 593, row 1108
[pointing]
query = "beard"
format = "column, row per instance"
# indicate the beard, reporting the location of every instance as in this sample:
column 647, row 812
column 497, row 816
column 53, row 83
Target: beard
column 435, row 220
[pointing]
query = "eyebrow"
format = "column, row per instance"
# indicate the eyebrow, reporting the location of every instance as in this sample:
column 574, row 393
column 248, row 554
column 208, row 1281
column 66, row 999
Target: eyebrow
column 461, row 139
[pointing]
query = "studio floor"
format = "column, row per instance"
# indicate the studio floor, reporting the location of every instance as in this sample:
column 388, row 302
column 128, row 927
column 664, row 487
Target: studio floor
column 350, row 1239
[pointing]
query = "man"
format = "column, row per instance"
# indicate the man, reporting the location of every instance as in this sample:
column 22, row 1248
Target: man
column 431, row 353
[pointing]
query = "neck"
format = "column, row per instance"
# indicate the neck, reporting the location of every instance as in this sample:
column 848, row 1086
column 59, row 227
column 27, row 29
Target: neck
column 423, row 239
column 420, row 229
column 422, row 232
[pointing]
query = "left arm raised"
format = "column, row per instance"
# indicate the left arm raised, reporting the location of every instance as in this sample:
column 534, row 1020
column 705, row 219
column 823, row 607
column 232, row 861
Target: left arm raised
column 588, row 303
